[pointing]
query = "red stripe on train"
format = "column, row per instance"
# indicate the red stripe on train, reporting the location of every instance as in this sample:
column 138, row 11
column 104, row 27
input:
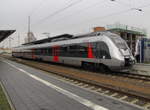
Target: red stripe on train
column 90, row 51
column 33, row 55
column 56, row 53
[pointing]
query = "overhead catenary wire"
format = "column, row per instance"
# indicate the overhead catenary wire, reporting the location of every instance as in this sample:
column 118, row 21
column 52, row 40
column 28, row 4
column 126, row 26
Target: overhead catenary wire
column 93, row 5
column 80, row 11
column 99, row 18
column 109, row 15
column 123, row 3
column 58, row 11
column 68, row 6
column 102, row 17
column 54, row 13
column 40, row 5
column 36, row 8
column 106, row 15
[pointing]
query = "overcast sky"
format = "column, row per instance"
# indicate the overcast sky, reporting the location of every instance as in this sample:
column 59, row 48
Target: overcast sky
column 70, row 16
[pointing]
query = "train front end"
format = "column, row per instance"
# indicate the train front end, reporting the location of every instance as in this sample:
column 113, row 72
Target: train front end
column 124, row 55
column 129, row 60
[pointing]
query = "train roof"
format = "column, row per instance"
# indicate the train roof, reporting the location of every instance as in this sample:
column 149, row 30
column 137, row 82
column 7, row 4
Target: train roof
column 90, row 37
column 51, row 39
column 62, row 37
column 5, row 33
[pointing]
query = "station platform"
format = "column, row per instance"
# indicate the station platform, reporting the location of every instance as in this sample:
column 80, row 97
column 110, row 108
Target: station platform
column 141, row 68
column 33, row 89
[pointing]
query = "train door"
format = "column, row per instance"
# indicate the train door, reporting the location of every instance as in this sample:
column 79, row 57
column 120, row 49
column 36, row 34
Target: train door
column 90, row 51
column 33, row 53
column 55, row 53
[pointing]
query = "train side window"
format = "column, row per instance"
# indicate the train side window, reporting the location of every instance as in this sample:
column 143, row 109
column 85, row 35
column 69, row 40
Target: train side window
column 72, row 51
column 83, row 50
column 78, row 50
column 63, row 50
column 38, row 51
column 42, row 51
column 45, row 51
column 102, row 50
column 49, row 51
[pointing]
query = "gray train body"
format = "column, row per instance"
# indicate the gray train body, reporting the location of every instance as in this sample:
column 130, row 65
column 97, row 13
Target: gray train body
column 97, row 50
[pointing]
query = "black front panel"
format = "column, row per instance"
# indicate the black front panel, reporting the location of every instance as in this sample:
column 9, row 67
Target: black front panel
column 101, row 50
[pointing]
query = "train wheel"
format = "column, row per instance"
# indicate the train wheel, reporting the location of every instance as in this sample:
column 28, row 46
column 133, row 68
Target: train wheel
column 84, row 65
column 103, row 68
column 87, row 66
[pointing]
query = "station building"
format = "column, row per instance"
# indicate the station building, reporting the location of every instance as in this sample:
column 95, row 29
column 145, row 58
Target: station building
column 128, row 33
column 135, row 38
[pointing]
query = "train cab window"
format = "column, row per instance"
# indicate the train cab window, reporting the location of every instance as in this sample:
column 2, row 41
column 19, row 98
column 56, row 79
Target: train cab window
column 119, row 42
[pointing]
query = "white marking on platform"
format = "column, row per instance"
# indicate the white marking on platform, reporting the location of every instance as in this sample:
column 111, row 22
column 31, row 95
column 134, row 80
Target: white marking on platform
column 106, row 92
column 134, row 101
column 124, row 97
column 85, row 85
column 99, row 89
column 147, row 105
column 63, row 91
column 114, row 94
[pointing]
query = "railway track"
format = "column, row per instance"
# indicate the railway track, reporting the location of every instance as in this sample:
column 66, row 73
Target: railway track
column 124, row 97
column 127, row 88
column 132, row 76
column 137, row 76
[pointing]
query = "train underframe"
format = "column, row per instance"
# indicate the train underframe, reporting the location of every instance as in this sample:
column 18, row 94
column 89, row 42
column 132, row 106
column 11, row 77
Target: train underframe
column 103, row 65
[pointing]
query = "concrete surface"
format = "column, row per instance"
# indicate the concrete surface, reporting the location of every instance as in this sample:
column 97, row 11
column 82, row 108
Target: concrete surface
column 32, row 89
column 141, row 68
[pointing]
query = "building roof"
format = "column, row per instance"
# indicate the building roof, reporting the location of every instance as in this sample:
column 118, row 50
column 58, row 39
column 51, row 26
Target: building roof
column 5, row 33
column 117, row 27
column 127, row 31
